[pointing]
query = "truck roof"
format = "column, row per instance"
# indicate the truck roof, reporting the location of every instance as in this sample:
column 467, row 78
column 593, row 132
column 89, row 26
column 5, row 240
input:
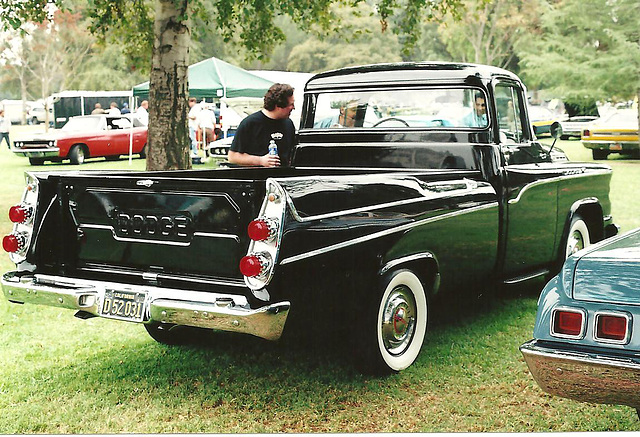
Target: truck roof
column 406, row 72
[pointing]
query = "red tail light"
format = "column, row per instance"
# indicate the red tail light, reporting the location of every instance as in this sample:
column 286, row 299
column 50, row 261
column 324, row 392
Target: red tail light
column 252, row 266
column 568, row 323
column 260, row 230
column 13, row 243
column 611, row 327
column 19, row 213
column 586, row 133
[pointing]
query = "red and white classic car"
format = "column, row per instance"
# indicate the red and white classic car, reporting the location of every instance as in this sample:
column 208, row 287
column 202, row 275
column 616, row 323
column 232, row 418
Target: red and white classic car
column 87, row 136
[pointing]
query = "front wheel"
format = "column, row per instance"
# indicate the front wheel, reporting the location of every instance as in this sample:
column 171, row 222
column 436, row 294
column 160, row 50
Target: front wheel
column 36, row 161
column 395, row 326
column 578, row 237
column 77, row 155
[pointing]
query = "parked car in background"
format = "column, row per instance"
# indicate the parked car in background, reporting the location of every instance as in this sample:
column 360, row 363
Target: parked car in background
column 573, row 126
column 37, row 115
column 85, row 137
column 586, row 342
column 617, row 133
column 541, row 119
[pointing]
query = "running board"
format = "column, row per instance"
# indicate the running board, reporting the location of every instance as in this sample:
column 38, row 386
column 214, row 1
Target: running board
column 527, row 277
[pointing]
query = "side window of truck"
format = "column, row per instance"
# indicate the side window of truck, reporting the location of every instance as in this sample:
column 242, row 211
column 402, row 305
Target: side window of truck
column 510, row 117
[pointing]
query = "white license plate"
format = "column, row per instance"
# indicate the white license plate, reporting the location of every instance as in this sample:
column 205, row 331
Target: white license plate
column 615, row 146
column 124, row 305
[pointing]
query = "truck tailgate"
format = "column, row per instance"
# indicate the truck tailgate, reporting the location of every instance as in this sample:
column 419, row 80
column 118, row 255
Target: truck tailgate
column 156, row 229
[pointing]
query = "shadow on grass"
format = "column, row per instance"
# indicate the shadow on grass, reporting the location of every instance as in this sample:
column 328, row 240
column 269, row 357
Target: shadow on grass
column 305, row 372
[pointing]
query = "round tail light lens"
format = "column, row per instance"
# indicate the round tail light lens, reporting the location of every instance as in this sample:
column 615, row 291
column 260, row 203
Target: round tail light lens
column 260, row 230
column 12, row 243
column 19, row 214
column 250, row 266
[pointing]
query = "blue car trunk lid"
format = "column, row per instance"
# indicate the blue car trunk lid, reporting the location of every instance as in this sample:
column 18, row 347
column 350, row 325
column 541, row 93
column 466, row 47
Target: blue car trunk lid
column 611, row 273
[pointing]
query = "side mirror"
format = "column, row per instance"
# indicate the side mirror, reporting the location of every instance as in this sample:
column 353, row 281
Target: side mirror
column 555, row 130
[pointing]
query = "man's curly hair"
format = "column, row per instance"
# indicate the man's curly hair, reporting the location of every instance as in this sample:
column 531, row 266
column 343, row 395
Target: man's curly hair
column 278, row 95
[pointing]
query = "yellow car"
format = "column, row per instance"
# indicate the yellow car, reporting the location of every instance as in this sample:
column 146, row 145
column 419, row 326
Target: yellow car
column 617, row 133
column 541, row 119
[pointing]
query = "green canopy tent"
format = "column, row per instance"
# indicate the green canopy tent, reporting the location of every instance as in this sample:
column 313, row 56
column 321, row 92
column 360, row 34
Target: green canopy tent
column 214, row 78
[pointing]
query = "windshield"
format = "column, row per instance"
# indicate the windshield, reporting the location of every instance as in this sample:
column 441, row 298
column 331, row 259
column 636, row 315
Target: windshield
column 385, row 109
column 82, row 124
column 623, row 118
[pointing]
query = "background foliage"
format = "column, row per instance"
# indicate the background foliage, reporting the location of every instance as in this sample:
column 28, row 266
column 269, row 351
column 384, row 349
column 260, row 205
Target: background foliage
column 552, row 44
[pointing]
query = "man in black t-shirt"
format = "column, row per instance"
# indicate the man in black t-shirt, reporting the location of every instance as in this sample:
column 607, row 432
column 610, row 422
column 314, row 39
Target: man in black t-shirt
column 251, row 141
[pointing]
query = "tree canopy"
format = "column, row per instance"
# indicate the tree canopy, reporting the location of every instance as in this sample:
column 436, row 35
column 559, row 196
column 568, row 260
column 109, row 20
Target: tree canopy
column 585, row 56
column 166, row 26
column 110, row 44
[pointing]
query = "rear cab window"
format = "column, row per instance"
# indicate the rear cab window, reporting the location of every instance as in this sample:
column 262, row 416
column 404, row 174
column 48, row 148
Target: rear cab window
column 398, row 109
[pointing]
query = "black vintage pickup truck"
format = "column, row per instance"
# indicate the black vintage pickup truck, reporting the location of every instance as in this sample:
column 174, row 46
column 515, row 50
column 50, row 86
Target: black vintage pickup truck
column 409, row 182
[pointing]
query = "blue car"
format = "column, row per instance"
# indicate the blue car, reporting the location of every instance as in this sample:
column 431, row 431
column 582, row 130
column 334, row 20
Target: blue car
column 586, row 342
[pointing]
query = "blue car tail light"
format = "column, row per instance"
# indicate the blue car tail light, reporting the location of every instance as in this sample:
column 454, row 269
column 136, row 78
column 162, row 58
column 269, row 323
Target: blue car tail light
column 612, row 327
column 568, row 323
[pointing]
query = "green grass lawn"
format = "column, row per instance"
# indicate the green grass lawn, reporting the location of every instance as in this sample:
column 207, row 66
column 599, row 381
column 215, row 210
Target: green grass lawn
column 59, row 374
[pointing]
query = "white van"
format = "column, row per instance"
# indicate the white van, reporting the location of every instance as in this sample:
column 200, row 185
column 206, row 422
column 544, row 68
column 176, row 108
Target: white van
column 14, row 110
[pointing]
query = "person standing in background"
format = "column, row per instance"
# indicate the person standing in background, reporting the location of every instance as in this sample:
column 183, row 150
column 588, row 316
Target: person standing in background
column 113, row 109
column 269, row 126
column 5, row 124
column 194, row 109
column 97, row 109
column 143, row 112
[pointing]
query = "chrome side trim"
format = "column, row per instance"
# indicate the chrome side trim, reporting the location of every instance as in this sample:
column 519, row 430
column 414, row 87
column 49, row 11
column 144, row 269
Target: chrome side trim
column 584, row 376
column 162, row 276
column 227, row 197
column 225, row 312
column 236, row 238
column 525, row 278
column 385, row 232
column 426, row 194
column 405, row 259
column 553, row 180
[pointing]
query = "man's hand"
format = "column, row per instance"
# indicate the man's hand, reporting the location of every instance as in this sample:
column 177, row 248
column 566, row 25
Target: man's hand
column 253, row 160
column 270, row 160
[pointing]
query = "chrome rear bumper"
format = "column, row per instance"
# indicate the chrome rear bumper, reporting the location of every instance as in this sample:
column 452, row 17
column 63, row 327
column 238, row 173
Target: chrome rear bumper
column 586, row 377
column 225, row 312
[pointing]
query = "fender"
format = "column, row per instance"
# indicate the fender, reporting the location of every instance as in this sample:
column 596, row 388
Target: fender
column 426, row 267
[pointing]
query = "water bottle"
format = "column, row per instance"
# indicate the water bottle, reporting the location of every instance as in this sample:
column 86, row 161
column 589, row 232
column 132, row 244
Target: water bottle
column 273, row 148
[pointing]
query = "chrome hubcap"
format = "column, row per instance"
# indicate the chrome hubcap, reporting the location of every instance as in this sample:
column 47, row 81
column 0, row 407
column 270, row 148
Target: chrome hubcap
column 398, row 320
column 575, row 243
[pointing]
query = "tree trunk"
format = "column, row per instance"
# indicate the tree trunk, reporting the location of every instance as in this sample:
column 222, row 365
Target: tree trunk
column 168, row 139
column 638, row 109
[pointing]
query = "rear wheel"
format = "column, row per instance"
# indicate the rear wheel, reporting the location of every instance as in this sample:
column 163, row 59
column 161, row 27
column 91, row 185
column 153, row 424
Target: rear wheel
column 394, row 326
column 77, row 155
column 599, row 154
column 143, row 152
column 36, row 161
column 578, row 237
